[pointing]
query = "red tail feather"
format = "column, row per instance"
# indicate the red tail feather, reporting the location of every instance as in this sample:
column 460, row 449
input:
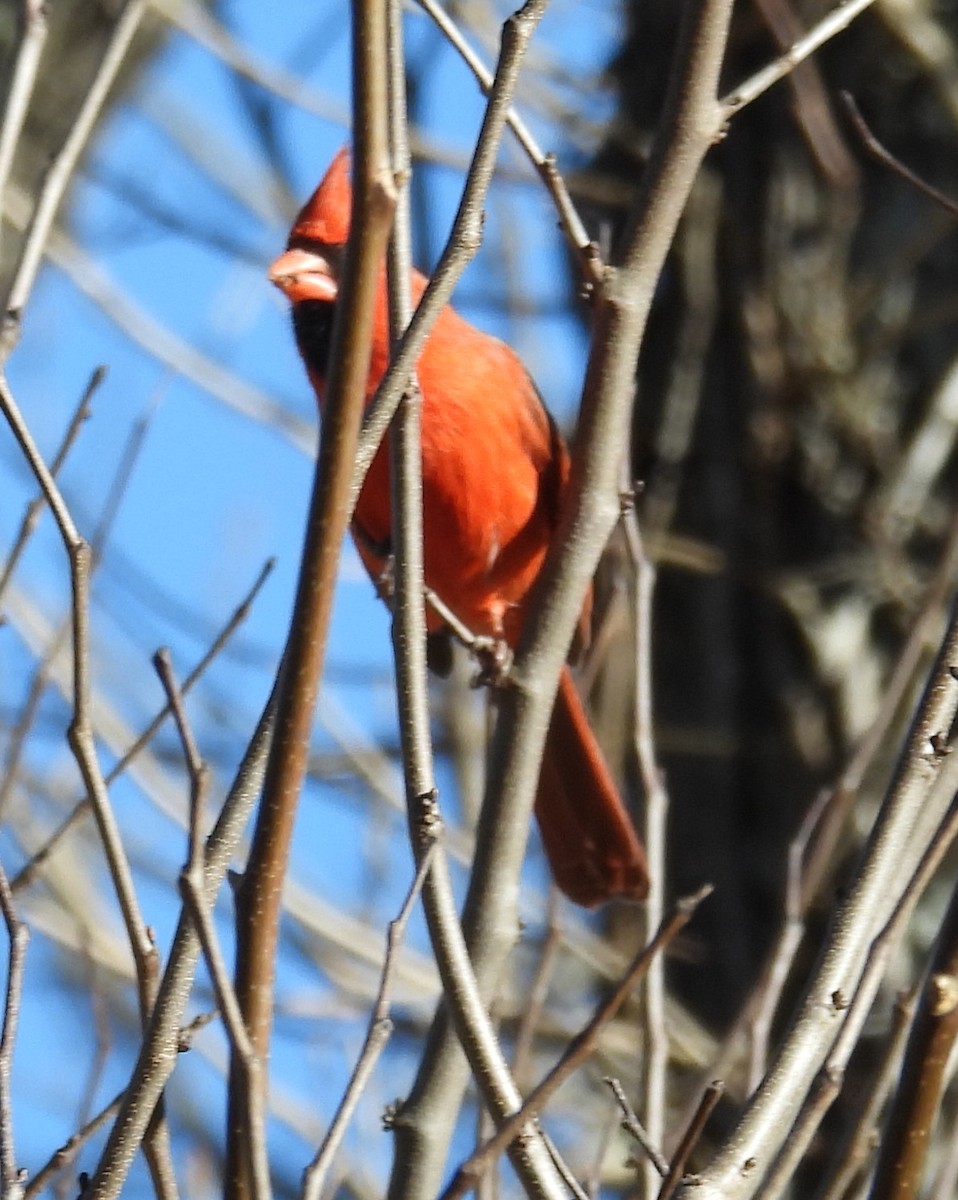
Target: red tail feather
column 588, row 836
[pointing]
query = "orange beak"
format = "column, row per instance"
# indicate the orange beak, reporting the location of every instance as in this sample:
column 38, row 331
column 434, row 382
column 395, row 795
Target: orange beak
column 304, row 275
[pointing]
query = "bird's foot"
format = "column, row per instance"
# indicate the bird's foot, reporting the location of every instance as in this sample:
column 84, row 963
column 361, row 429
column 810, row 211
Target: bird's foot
column 494, row 659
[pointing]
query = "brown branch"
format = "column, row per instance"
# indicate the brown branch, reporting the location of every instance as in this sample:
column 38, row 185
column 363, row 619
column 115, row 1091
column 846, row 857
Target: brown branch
column 259, row 895
column 193, row 892
column 884, row 156
column 911, row 1117
column 422, row 1140
column 690, row 1139
column 690, row 123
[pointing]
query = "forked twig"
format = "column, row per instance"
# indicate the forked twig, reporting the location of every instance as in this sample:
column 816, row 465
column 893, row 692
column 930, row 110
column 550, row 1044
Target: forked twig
column 28, row 872
column 632, row 1125
column 193, row 891
column 36, row 506
column 586, row 251
column 578, row 1050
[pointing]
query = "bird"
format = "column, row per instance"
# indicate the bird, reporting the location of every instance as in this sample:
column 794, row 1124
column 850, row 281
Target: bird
column 494, row 472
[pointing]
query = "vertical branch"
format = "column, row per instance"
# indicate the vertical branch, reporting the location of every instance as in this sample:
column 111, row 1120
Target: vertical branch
column 421, row 1148
column 18, row 936
column 259, row 896
column 655, row 1039
column 911, row 1117
column 687, row 130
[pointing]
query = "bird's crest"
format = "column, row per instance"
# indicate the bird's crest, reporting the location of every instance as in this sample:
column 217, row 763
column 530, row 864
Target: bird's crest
column 325, row 215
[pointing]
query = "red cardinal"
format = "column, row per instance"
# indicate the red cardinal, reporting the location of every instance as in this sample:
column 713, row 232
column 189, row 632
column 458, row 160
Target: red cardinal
column 494, row 468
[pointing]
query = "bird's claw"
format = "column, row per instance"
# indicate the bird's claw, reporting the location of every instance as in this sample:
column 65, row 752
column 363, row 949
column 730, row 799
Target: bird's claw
column 494, row 659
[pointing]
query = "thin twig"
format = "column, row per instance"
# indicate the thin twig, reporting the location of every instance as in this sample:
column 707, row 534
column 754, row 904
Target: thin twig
column 28, row 872
column 685, row 133
column 690, row 1139
column 461, row 988
column 159, row 1046
column 830, row 26
column 655, row 809
column 18, row 936
column 377, row 1035
column 80, row 733
column 592, row 1182
column 35, row 508
column 577, row 1051
column 883, row 155
column 193, row 891
column 32, row 36
column 538, row 990
column 62, row 1158
column 60, row 172
column 632, row 1125
column 586, row 251
column 782, row 957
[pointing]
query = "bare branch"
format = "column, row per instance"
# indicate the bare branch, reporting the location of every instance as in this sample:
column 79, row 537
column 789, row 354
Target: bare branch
column 377, row 1035
column 33, row 35
column 578, row 1050
column 60, row 172
column 18, row 936
column 830, row 26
